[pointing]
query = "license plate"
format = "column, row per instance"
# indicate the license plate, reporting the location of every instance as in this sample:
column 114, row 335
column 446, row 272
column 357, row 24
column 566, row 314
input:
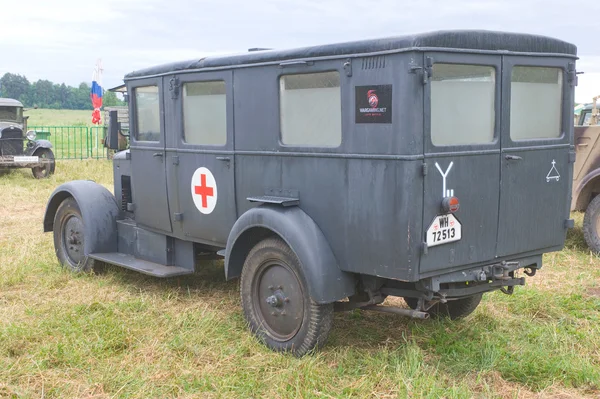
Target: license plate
column 24, row 159
column 443, row 229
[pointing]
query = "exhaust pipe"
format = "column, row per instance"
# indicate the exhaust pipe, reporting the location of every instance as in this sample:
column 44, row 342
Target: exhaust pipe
column 415, row 314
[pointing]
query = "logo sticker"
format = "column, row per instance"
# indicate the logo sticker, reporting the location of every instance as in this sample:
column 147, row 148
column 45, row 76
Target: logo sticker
column 373, row 104
column 204, row 190
column 553, row 174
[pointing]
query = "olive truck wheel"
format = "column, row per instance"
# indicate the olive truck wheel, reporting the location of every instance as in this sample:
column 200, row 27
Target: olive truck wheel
column 454, row 309
column 69, row 237
column 276, row 303
column 591, row 225
column 41, row 172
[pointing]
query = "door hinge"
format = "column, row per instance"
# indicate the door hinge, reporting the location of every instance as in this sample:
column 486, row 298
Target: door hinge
column 174, row 87
column 572, row 74
column 569, row 223
column 130, row 207
column 424, row 169
column 425, row 71
column 178, row 216
column 425, row 248
column 572, row 156
column 175, row 159
column 348, row 67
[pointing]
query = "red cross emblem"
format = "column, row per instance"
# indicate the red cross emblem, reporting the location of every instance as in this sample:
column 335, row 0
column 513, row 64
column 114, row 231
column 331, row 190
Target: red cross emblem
column 204, row 190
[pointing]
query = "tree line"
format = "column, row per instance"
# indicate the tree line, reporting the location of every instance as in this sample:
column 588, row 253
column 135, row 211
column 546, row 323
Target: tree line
column 45, row 94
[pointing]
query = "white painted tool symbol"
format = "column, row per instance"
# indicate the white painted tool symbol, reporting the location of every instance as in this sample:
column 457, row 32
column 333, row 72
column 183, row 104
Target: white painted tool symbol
column 553, row 174
column 445, row 193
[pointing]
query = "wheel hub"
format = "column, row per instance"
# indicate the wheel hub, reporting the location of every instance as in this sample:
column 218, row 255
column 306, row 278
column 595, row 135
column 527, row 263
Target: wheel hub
column 279, row 300
column 73, row 239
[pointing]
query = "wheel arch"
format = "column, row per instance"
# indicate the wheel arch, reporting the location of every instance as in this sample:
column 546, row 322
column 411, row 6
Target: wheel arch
column 326, row 281
column 99, row 211
column 584, row 193
column 39, row 144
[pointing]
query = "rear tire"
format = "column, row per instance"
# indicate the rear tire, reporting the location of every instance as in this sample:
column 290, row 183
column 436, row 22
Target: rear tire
column 591, row 225
column 454, row 309
column 69, row 237
column 276, row 303
column 42, row 172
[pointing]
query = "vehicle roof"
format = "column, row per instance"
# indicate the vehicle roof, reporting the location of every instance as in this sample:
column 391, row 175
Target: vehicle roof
column 479, row 40
column 9, row 102
column 589, row 106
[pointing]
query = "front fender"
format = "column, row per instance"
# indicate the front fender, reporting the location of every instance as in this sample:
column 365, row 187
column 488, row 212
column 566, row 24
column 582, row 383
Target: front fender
column 99, row 211
column 582, row 193
column 36, row 145
column 326, row 282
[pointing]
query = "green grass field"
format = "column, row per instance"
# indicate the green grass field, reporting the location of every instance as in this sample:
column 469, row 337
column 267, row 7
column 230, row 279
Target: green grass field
column 124, row 335
column 59, row 117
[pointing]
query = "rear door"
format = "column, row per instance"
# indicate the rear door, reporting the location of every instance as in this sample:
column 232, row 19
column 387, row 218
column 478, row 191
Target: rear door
column 536, row 166
column 462, row 157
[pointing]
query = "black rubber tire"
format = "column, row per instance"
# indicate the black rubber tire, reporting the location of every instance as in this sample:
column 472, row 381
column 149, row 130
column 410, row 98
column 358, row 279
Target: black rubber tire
column 68, row 215
column 40, row 172
column 453, row 309
column 590, row 222
column 316, row 321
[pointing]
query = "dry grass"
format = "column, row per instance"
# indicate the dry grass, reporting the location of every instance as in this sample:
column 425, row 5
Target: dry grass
column 124, row 335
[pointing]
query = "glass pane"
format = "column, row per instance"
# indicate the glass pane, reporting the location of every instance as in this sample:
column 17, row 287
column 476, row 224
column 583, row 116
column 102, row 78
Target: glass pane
column 204, row 113
column 147, row 103
column 535, row 103
column 310, row 109
column 11, row 114
column 462, row 104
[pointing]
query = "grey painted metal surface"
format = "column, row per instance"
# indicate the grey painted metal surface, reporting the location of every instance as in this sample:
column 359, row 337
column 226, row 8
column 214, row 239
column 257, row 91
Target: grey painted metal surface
column 364, row 207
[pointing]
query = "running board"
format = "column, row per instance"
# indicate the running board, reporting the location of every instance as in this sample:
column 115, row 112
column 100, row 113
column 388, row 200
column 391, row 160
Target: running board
column 142, row 266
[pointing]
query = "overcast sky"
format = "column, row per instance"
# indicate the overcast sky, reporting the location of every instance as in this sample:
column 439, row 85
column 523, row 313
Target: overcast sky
column 60, row 40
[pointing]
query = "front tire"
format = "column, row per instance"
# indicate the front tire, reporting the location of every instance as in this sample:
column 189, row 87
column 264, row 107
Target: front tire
column 453, row 309
column 276, row 303
column 591, row 225
column 42, row 172
column 69, row 237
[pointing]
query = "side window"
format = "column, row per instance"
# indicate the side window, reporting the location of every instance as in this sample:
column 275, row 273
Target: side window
column 462, row 104
column 310, row 109
column 147, row 112
column 535, row 103
column 204, row 113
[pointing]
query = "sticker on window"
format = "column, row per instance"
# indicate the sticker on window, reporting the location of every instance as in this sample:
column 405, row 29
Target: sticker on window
column 373, row 104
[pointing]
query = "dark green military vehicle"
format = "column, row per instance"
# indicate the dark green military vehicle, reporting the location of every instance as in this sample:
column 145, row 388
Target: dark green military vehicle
column 332, row 177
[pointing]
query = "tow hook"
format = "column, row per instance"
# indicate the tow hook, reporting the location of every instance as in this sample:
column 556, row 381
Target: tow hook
column 500, row 271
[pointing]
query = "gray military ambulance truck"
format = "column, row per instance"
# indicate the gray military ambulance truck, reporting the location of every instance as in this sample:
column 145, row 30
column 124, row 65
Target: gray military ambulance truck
column 331, row 177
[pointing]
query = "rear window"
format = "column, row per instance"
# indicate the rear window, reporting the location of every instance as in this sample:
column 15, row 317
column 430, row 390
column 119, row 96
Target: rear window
column 310, row 109
column 462, row 104
column 147, row 111
column 535, row 103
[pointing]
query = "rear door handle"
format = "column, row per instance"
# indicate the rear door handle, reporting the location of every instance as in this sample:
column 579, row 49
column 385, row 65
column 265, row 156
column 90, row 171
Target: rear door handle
column 224, row 159
column 157, row 154
column 512, row 157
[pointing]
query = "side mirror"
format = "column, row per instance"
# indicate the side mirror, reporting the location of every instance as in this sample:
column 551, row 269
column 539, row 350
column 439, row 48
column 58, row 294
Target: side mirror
column 112, row 134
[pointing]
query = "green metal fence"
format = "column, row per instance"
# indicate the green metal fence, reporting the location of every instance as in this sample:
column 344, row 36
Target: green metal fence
column 73, row 142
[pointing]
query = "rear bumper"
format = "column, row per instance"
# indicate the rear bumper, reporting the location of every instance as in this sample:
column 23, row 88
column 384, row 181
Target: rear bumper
column 8, row 161
column 482, row 278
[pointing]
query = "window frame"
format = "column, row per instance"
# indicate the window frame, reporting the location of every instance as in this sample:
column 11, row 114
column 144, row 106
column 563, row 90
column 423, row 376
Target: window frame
column 179, row 127
column 183, row 111
column 303, row 70
column 133, row 120
column 486, row 60
column 564, row 82
column 511, row 61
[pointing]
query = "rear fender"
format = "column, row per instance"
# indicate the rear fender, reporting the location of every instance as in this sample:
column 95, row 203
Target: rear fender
column 326, row 282
column 99, row 210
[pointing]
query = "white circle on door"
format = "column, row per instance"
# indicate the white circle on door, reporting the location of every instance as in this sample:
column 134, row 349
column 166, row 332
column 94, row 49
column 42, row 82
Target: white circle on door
column 204, row 190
